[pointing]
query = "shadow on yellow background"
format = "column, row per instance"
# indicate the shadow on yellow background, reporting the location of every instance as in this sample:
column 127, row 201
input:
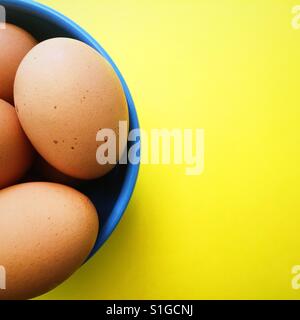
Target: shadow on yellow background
column 232, row 68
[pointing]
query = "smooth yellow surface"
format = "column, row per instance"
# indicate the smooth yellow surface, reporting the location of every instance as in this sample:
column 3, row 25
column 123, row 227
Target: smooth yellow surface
column 232, row 68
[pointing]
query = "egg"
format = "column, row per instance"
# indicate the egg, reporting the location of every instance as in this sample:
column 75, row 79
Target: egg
column 47, row 231
column 14, row 43
column 16, row 153
column 65, row 92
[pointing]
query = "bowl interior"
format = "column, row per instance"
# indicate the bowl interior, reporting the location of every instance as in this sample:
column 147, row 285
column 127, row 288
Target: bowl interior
column 111, row 193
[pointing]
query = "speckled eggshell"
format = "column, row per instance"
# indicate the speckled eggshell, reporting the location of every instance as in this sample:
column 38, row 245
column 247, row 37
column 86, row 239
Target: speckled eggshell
column 16, row 153
column 14, row 45
column 47, row 231
column 65, row 92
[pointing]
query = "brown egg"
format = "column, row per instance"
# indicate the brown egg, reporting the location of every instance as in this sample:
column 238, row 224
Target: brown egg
column 47, row 230
column 16, row 153
column 14, row 45
column 65, row 93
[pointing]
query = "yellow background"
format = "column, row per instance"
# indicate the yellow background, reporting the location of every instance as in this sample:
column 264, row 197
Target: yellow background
column 232, row 68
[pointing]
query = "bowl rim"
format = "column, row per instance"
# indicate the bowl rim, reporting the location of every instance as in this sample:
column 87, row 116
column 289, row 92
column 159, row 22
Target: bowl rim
column 79, row 33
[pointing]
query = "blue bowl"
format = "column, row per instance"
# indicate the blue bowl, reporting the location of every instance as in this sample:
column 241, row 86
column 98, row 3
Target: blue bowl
column 110, row 194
